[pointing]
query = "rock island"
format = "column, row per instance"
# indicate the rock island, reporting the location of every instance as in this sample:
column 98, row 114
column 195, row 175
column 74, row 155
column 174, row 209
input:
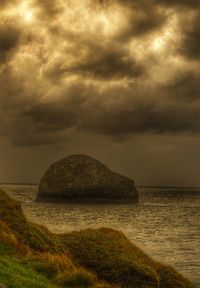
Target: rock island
column 83, row 178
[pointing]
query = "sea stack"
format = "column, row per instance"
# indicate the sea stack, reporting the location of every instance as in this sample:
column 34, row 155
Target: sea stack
column 81, row 178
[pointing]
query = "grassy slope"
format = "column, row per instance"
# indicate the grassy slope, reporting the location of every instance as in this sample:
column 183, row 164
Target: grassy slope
column 14, row 273
column 31, row 256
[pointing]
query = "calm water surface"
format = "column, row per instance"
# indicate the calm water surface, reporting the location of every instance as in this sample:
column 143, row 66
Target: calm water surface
column 166, row 222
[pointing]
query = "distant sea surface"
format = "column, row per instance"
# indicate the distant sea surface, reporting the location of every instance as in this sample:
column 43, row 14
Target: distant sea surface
column 165, row 223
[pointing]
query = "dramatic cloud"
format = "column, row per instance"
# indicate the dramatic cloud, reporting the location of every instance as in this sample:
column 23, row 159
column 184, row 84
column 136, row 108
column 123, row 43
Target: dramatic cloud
column 48, row 8
column 5, row 3
column 191, row 35
column 9, row 40
column 185, row 88
column 186, row 3
column 141, row 17
column 114, row 68
column 107, row 63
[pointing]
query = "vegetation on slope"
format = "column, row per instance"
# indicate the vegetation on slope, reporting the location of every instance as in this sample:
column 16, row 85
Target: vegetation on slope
column 114, row 258
column 13, row 273
column 31, row 256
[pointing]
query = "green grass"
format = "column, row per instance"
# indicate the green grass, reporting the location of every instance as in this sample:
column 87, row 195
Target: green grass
column 5, row 249
column 35, row 236
column 14, row 274
column 197, row 283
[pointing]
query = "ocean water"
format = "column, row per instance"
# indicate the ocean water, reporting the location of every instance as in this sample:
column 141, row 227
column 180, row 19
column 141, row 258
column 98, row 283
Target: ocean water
column 165, row 223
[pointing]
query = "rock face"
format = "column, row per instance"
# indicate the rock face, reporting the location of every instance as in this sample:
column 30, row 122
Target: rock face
column 82, row 178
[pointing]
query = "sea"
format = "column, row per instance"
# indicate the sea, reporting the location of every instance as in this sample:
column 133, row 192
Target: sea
column 165, row 223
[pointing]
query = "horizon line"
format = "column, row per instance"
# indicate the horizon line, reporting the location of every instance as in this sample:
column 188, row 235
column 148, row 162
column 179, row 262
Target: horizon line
column 139, row 186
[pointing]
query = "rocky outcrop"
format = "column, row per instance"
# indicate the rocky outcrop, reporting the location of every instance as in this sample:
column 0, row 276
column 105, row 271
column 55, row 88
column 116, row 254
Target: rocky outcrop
column 82, row 178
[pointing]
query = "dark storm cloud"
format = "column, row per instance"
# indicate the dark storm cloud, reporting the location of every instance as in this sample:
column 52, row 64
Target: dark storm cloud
column 51, row 116
column 139, row 25
column 28, row 122
column 6, row 3
column 191, row 38
column 95, row 59
column 144, row 118
column 52, row 122
column 186, row 3
column 190, row 3
column 156, row 112
column 9, row 40
column 60, row 115
column 185, row 88
column 75, row 77
column 141, row 118
column 142, row 17
column 49, row 8
column 172, row 3
column 107, row 63
column 189, row 26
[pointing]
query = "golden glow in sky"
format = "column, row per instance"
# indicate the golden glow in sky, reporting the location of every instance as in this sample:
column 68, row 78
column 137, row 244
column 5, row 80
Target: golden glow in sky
column 21, row 12
column 160, row 42
column 25, row 11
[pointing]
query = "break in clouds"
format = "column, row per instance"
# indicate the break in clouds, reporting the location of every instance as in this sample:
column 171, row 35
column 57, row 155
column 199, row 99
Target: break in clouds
column 112, row 67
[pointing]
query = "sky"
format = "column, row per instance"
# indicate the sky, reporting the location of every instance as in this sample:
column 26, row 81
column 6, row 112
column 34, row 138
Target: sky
column 118, row 80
